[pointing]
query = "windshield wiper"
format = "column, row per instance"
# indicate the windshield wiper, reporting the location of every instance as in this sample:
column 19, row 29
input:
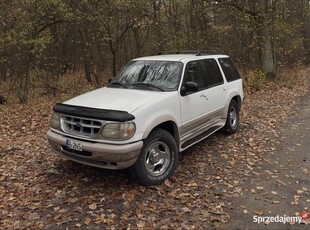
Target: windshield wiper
column 147, row 85
column 115, row 83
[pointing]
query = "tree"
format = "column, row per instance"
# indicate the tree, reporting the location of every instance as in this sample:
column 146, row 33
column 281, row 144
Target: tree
column 49, row 38
column 26, row 37
column 261, row 13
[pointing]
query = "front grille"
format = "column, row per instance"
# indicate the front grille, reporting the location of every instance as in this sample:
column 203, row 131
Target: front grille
column 80, row 126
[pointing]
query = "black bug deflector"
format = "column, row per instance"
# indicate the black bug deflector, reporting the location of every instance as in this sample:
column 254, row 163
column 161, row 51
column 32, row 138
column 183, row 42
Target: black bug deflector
column 100, row 114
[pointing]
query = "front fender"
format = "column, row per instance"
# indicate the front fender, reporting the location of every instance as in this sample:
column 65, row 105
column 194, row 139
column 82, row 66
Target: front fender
column 157, row 121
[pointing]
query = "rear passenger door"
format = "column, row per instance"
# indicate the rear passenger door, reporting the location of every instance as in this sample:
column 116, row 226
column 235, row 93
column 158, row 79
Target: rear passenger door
column 215, row 90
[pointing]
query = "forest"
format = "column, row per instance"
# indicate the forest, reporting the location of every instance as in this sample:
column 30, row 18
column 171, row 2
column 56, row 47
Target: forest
column 53, row 50
column 45, row 40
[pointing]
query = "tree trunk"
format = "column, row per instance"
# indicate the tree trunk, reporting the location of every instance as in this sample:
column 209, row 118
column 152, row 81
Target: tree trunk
column 306, row 37
column 113, row 52
column 25, row 81
column 265, row 49
column 266, row 57
column 87, row 65
column 24, row 88
column 87, row 71
column 137, row 39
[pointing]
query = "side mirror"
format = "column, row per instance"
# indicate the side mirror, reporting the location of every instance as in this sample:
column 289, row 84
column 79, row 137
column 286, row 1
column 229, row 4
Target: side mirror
column 189, row 87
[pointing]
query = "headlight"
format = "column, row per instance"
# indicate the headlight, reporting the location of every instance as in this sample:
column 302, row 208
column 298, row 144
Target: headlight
column 118, row 131
column 55, row 121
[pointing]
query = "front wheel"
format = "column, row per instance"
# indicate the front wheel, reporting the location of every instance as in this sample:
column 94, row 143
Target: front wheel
column 232, row 120
column 157, row 160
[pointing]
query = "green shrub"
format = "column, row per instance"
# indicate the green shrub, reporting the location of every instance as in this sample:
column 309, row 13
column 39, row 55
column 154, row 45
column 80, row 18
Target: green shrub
column 255, row 80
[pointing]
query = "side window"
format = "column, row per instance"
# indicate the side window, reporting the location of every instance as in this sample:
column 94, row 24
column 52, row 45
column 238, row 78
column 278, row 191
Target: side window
column 213, row 74
column 193, row 73
column 229, row 69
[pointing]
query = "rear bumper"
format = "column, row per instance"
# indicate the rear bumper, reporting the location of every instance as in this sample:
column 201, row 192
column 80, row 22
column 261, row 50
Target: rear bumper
column 97, row 154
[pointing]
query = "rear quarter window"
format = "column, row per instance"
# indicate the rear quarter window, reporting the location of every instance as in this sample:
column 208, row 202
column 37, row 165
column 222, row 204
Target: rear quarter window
column 229, row 69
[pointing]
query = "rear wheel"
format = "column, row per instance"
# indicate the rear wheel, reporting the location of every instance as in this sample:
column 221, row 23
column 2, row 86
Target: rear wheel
column 157, row 160
column 232, row 120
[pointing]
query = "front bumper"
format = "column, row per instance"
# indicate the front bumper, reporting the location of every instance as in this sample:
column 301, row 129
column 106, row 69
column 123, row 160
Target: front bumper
column 97, row 154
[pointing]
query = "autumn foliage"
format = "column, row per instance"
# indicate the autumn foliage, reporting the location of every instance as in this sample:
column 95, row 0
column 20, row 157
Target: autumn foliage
column 43, row 40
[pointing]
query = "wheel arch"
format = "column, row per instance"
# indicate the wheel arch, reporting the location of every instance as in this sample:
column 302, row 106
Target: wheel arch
column 168, row 125
column 236, row 97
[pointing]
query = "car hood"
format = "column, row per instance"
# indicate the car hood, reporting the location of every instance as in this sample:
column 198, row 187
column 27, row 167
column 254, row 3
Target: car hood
column 116, row 99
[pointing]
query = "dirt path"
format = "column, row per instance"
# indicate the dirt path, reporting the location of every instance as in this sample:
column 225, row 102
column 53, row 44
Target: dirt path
column 283, row 185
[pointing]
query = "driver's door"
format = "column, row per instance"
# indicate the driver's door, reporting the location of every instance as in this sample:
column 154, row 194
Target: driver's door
column 193, row 104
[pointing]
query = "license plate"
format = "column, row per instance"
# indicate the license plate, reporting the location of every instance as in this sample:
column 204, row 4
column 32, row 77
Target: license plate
column 74, row 145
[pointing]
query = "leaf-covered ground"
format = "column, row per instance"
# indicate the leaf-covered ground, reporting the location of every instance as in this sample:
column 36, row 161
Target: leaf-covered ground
column 39, row 189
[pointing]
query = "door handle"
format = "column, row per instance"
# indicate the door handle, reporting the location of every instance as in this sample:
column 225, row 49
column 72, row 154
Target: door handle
column 204, row 96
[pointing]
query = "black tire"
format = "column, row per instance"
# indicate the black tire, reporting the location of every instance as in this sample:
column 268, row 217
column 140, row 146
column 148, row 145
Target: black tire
column 232, row 120
column 154, row 167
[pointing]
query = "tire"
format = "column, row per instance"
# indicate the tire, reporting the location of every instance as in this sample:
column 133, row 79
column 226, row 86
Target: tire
column 232, row 120
column 157, row 160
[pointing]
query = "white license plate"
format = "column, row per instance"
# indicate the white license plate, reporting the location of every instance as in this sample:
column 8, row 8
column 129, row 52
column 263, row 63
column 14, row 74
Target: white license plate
column 75, row 145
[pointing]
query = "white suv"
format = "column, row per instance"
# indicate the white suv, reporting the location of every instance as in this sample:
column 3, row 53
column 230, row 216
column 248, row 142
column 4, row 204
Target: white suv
column 153, row 109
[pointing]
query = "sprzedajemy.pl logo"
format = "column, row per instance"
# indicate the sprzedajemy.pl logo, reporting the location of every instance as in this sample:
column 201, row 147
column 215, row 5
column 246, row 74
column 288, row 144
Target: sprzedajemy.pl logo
column 281, row 219
column 304, row 215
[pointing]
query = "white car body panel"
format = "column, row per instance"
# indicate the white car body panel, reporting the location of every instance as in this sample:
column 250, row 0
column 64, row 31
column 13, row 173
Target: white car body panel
column 115, row 99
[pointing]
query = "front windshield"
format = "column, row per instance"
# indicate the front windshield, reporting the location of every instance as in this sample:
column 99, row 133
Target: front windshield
column 150, row 74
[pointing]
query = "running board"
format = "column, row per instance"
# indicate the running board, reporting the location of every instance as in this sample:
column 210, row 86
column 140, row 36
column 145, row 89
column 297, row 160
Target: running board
column 199, row 137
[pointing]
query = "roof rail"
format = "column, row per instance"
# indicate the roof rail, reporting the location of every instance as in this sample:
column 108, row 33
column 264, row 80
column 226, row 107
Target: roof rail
column 195, row 52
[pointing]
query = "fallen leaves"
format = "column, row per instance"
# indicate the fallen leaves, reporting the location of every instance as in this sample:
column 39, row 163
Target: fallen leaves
column 281, row 182
column 38, row 189
column 258, row 212
column 87, row 221
column 92, row 206
column 274, row 192
column 260, row 188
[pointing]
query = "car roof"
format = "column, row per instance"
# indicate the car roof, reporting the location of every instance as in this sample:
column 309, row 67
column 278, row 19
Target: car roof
column 181, row 57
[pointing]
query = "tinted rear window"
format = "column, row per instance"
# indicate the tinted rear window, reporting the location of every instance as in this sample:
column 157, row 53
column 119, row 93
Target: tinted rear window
column 229, row 69
column 214, row 76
